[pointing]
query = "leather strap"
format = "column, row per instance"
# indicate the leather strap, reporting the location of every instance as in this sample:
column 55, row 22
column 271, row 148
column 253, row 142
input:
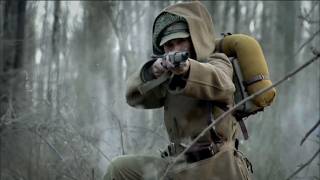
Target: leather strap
column 255, row 79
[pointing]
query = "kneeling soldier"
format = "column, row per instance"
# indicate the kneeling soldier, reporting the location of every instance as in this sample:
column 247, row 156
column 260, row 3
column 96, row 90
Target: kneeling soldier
column 189, row 95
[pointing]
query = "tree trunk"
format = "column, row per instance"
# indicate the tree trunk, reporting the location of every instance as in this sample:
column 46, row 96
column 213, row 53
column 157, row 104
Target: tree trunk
column 56, row 38
column 236, row 16
column 226, row 16
column 12, row 48
column 11, row 80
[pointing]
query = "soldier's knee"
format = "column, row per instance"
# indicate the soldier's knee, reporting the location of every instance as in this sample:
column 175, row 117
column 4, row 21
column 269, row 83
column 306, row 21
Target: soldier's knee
column 119, row 163
column 116, row 168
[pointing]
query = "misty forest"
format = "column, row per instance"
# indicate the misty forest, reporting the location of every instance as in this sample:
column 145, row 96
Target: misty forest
column 63, row 72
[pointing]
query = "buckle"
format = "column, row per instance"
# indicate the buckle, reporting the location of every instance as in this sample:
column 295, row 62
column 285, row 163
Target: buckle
column 171, row 148
column 169, row 151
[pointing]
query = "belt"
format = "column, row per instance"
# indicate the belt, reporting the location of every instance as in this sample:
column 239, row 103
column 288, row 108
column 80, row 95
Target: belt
column 197, row 152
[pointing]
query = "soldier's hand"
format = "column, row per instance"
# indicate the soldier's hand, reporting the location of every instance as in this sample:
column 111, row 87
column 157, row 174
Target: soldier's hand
column 158, row 68
column 181, row 69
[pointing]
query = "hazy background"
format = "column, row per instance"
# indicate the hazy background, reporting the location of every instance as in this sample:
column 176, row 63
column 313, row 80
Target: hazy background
column 63, row 68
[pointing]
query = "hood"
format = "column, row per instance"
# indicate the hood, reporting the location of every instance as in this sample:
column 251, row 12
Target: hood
column 200, row 27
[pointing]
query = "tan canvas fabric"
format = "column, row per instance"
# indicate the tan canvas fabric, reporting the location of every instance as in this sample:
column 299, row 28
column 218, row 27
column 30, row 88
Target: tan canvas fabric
column 210, row 79
column 186, row 109
column 200, row 26
column 228, row 164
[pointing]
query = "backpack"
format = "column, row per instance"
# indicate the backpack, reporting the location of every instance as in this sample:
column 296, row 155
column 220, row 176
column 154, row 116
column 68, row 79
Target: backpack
column 250, row 74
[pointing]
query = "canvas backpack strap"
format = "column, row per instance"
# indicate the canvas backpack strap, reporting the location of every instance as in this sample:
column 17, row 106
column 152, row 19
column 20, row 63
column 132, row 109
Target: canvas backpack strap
column 238, row 118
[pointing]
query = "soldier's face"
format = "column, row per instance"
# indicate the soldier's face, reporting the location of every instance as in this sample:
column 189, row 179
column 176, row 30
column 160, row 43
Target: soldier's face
column 179, row 45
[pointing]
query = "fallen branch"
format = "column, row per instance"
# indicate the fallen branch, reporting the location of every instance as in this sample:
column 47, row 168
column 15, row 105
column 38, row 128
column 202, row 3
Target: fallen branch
column 304, row 165
column 309, row 132
column 221, row 117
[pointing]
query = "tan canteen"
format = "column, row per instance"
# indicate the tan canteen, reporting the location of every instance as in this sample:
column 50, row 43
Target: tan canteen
column 250, row 69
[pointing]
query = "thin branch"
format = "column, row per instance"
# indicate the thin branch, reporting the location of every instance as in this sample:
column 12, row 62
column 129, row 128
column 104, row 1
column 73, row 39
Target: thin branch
column 101, row 152
column 304, row 165
column 50, row 145
column 68, row 176
column 221, row 117
column 152, row 131
column 91, row 138
column 86, row 138
column 309, row 132
column 308, row 20
column 307, row 15
column 121, row 135
column 12, row 173
column 120, row 130
column 308, row 41
column 114, row 26
column 138, row 18
column 97, row 148
column 118, row 120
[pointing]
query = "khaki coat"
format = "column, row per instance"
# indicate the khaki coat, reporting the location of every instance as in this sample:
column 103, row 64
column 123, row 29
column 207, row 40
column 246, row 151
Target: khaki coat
column 187, row 109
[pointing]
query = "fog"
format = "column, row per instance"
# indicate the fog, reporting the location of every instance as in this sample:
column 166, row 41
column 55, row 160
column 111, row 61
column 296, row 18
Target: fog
column 63, row 72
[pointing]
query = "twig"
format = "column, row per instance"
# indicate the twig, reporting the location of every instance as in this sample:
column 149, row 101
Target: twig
column 307, row 15
column 309, row 132
column 86, row 138
column 120, row 130
column 308, row 41
column 152, row 131
column 50, row 145
column 308, row 20
column 118, row 120
column 68, row 176
column 221, row 117
column 100, row 151
column 304, row 165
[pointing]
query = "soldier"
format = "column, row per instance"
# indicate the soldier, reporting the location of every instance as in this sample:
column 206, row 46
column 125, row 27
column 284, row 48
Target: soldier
column 191, row 99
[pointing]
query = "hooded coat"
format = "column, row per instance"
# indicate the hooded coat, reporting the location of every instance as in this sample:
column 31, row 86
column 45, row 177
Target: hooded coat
column 188, row 108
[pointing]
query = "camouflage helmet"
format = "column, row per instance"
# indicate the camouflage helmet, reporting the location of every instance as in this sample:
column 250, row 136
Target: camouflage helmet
column 163, row 21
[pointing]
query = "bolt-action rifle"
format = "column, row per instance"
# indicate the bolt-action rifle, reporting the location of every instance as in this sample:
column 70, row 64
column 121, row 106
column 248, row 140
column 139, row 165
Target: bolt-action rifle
column 176, row 58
